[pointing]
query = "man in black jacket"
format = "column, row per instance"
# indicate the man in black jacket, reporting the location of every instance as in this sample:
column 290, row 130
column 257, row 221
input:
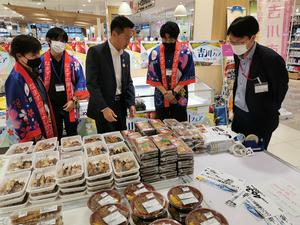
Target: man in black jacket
column 109, row 81
column 261, row 82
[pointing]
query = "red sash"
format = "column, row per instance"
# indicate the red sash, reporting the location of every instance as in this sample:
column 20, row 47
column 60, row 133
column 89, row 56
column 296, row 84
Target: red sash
column 174, row 68
column 48, row 125
column 68, row 79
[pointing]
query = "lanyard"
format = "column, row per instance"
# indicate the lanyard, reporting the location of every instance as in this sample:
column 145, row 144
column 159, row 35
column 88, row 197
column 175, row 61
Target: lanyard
column 61, row 70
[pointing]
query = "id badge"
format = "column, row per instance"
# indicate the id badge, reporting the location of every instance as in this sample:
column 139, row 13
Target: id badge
column 168, row 72
column 261, row 88
column 59, row 87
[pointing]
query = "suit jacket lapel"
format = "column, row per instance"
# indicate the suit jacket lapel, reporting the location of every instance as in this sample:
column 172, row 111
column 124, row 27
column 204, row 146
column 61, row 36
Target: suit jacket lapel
column 110, row 61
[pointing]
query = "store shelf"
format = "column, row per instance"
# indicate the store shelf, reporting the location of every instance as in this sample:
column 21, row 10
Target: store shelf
column 295, row 64
column 296, row 49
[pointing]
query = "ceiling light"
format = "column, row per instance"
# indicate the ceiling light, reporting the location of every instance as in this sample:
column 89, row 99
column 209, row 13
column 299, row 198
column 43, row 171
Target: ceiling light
column 38, row 3
column 180, row 10
column 46, row 19
column 5, row 8
column 89, row 1
column 81, row 10
column 84, row 5
column 124, row 9
column 297, row 10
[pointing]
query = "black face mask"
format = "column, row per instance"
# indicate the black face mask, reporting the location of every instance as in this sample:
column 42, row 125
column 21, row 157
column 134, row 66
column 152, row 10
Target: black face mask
column 34, row 63
column 170, row 46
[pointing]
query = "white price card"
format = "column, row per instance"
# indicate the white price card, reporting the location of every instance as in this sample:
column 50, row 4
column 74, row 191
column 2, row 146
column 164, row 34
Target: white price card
column 143, row 190
column 48, row 209
column 115, row 218
column 212, row 221
column 189, row 201
column 107, row 200
column 185, row 189
column 152, row 206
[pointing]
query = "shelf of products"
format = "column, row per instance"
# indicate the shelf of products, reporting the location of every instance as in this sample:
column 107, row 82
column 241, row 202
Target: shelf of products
column 293, row 58
column 200, row 95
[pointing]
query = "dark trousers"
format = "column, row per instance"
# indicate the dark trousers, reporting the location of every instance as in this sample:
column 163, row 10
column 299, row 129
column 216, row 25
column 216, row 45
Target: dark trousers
column 104, row 126
column 62, row 117
column 173, row 112
column 244, row 123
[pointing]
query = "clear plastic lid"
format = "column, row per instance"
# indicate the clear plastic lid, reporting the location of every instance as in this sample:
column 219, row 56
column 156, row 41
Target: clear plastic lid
column 68, row 169
column 20, row 148
column 45, row 159
column 185, row 197
column 73, row 143
column 103, row 198
column 157, row 124
column 127, row 133
column 163, row 142
column 92, row 138
column 111, row 214
column 118, row 148
column 165, row 222
column 95, row 148
column 202, row 128
column 148, row 205
column 124, row 164
column 18, row 163
column 144, row 126
column 113, row 138
column 134, row 189
column 202, row 215
column 144, row 146
column 171, row 122
column 42, row 180
column 46, row 145
column 14, row 185
column 182, row 148
column 98, row 167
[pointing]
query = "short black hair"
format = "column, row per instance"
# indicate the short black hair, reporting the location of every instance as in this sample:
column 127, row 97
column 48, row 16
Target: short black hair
column 170, row 28
column 119, row 23
column 57, row 34
column 243, row 26
column 24, row 44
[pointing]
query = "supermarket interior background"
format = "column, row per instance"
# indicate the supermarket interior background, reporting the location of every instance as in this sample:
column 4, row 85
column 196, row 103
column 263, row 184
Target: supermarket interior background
column 203, row 25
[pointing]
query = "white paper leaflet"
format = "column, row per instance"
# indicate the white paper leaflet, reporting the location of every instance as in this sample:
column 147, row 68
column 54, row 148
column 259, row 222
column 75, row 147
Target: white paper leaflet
column 222, row 180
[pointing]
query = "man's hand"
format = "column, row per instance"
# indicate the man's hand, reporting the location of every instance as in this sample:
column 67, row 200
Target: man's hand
column 170, row 97
column 69, row 106
column 132, row 111
column 109, row 115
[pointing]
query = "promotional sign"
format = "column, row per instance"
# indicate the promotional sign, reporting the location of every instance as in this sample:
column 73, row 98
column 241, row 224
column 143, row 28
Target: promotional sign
column 145, row 4
column 274, row 17
column 207, row 53
column 234, row 12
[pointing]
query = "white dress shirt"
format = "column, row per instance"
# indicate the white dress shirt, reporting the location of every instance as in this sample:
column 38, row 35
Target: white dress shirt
column 116, row 58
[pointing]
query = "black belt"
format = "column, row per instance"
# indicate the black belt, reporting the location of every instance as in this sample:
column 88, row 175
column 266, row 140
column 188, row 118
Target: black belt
column 118, row 97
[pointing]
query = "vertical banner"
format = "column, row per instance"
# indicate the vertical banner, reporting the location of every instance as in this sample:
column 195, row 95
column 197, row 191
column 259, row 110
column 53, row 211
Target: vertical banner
column 274, row 17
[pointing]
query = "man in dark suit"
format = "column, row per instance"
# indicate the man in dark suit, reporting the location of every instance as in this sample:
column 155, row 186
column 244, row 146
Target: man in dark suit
column 261, row 82
column 109, row 81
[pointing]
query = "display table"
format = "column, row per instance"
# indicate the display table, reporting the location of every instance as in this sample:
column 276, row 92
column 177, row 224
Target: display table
column 261, row 167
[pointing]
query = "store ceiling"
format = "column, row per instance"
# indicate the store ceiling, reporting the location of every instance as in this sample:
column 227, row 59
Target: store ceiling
column 163, row 8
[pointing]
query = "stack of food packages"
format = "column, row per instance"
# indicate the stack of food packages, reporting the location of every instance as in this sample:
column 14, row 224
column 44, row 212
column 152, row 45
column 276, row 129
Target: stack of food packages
column 148, row 157
column 149, row 207
column 50, row 215
column 160, row 127
column 19, row 185
column 145, row 128
column 167, row 156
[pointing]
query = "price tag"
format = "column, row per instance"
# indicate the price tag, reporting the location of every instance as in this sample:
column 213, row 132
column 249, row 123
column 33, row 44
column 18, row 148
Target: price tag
column 115, row 218
column 48, row 222
column 140, row 185
column 107, row 200
column 152, row 206
column 104, row 194
column 238, row 199
column 112, row 208
column 208, row 215
column 189, row 201
column 149, row 196
column 143, row 190
column 212, row 221
column 48, row 209
column 185, row 189
column 22, row 214
column 186, row 195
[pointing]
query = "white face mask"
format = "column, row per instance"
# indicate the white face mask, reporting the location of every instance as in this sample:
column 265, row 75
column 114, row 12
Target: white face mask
column 58, row 46
column 239, row 49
